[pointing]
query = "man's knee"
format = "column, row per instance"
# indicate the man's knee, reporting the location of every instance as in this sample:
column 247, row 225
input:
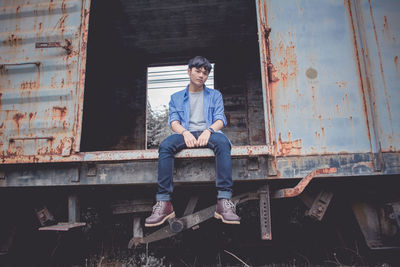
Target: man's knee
column 169, row 144
column 165, row 145
column 220, row 140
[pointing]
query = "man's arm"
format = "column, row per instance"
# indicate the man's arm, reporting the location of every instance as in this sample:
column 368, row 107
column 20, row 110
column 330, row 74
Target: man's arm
column 217, row 125
column 190, row 140
column 205, row 135
column 219, row 113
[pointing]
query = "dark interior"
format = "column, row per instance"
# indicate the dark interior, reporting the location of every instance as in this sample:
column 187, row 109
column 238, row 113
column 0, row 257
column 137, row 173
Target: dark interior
column 127, row 36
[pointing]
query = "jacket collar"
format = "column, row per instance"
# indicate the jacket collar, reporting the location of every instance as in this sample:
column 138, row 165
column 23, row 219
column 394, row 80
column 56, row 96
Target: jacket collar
column 186, row 95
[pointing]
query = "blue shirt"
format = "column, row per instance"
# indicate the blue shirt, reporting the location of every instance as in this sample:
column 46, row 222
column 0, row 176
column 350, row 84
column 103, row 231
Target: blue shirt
column 179, row 108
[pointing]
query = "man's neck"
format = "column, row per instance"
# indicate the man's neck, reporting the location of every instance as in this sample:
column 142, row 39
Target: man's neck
column 195, row 89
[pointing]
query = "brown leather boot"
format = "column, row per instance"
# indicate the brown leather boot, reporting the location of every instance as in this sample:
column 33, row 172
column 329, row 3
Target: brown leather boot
column 162, row 211
column 226, row 211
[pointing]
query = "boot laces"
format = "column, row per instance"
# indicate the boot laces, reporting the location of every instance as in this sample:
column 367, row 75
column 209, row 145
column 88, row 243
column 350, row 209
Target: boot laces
column 157, row 207
column 229, row 204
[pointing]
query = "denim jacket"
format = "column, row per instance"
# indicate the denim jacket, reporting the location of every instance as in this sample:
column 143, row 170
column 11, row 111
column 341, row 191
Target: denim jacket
column 179, row 109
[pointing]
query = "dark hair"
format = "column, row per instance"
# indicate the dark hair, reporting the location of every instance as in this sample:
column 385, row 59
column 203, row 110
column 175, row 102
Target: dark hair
column 199, row 62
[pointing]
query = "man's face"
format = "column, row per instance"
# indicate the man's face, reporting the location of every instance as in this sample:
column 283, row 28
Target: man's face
column 198, row 76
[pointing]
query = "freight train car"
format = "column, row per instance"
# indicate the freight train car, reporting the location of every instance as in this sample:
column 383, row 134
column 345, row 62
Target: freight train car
column 311, row 92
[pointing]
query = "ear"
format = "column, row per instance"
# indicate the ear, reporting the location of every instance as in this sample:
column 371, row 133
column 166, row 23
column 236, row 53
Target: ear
column 189, row 71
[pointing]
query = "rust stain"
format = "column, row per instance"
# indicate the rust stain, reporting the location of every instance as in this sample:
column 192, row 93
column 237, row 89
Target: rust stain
column 288, row 66
column 17, row 119
column 64, row 7
column 51, row 6
column 358, row 62
column 40, row 30
column 337, row 109
column 61, row 22
column 289, row 147
column 46, row 149
column 385, row 30
column 341, row 84
column 396, row 63
column 59, row 113
column 29, row 85
column 59, row 148
column 13, row 40
column 285, row 108
column 32, row 116
column 69, row 76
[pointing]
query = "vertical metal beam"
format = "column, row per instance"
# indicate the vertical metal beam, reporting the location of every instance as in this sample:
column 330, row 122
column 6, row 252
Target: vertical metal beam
column 137, row 227
column 265, row 213
column 73, row 209
column 367, row 217
column 366, row 78
column 191, row 205
column 263, row 33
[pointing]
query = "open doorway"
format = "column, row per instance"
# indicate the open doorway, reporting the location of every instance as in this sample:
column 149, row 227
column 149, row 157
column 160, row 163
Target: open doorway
column 128, row 36
column 162, row 82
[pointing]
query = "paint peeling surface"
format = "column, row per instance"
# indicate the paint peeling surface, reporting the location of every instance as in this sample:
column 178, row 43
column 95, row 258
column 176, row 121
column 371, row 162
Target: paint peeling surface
column 42, row 59
column 380, row 28
column 150, row 154
column 314, row 88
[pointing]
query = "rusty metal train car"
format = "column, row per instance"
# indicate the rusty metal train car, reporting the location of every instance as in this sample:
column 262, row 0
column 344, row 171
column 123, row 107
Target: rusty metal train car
column 311, row 92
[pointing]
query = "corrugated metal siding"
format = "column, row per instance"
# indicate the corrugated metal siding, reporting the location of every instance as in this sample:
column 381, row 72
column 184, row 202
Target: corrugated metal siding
column 380, row 28
column 314, row 90
column 42, row 59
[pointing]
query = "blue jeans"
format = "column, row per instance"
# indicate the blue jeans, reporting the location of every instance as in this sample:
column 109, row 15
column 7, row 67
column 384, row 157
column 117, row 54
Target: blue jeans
column 221, row 146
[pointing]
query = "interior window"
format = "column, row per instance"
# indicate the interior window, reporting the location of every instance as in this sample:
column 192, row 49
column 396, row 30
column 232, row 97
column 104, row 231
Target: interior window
column 162, row 82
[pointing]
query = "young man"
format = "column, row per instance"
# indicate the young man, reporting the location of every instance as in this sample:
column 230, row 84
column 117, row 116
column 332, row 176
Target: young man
column 196, row 115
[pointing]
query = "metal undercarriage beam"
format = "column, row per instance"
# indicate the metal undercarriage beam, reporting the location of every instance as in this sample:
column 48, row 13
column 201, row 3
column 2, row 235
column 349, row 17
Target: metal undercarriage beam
column 189, row 170
column 190, row 219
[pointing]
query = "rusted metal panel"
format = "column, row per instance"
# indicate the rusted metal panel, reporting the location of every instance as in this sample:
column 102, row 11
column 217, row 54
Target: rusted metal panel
column 42, row 66
column 379, row 26
column 299, row 188
column 313, row 91
column 150, row 154
column 192, row 170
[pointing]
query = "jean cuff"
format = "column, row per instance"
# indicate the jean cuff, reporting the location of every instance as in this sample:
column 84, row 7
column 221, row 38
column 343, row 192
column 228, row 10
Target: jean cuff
column 225, row 194
column 163, row 197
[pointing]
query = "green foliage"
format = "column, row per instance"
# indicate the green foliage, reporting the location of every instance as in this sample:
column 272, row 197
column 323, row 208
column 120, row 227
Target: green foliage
column 157, row 126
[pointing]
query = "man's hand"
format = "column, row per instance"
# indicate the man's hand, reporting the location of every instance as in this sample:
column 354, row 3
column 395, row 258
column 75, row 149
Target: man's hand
column 190, row 140
column 203, row 138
